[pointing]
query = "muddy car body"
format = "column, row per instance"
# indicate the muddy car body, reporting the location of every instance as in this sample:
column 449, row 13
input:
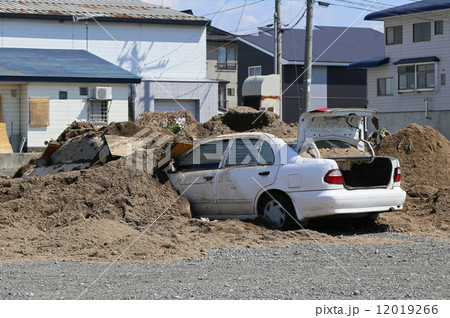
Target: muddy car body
column 249, row 174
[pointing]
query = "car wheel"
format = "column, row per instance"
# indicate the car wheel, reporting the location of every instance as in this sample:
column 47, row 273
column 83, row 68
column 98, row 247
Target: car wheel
column 278, row 209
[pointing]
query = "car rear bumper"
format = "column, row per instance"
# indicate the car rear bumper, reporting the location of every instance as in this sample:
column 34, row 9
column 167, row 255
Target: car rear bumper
column 311, row 204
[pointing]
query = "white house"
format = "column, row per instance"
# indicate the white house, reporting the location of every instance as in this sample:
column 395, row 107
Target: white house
column 408, row 84
column 164, row 47
column 43, row 90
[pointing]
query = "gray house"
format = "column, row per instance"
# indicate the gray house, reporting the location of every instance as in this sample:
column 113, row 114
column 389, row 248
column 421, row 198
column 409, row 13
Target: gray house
column 407, row 83
column 334, row 48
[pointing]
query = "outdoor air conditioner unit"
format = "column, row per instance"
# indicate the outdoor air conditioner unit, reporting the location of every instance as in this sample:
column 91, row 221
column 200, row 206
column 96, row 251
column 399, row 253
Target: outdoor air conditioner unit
column 103, row 93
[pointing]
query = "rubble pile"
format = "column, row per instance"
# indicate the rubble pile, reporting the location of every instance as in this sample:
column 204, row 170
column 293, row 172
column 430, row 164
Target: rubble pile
column 424, row 156
column 109, row 207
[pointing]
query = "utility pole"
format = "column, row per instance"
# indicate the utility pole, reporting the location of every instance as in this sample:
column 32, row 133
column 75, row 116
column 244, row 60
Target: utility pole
column 278, row 67
column 308, row 55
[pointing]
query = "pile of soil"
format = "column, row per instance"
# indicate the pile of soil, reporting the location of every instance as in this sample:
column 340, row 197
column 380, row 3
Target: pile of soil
column 239, row 119
column 99, row 213
column 424, row 156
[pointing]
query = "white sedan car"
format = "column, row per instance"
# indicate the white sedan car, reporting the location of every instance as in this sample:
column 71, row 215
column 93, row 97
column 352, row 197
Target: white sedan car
column 249, row 174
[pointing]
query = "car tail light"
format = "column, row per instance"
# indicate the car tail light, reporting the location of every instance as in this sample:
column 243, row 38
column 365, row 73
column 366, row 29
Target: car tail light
column 334, row 177
column 397, row 174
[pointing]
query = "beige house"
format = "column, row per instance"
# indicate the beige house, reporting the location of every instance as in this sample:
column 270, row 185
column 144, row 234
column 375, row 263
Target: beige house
column 222, row 66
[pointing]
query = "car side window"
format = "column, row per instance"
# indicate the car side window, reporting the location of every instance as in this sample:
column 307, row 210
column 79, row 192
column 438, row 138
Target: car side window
column 250, row 152
column 204, row 157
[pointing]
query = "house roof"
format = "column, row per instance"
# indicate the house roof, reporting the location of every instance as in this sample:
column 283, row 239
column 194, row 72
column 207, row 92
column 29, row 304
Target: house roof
column 330, row 44
column 219, row 35
column 48, row 65
column 102, row 10
column 417, row 60
column 369, row 63
column 410, row 8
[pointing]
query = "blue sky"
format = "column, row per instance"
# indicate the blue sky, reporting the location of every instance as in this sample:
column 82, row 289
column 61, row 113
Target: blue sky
column 246, row 19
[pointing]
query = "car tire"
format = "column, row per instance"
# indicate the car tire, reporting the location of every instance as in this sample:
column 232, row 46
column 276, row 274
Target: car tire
column 278, row 208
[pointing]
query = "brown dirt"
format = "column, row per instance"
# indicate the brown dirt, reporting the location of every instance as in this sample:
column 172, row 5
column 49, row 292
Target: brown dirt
column 99, row 213
column 239, row 119
column 424, row 156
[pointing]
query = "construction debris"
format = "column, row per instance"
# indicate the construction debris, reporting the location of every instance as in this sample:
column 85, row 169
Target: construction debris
column 110, row 205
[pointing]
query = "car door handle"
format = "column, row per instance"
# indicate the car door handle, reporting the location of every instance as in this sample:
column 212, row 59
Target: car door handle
column 264, row 173
column 208, row 178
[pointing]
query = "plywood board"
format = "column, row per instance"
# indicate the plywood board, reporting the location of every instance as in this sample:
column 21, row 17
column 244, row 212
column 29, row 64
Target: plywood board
column 39, row 112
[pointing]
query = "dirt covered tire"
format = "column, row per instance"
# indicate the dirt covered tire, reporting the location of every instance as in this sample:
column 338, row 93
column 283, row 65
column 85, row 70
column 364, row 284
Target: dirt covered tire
column 278, row 208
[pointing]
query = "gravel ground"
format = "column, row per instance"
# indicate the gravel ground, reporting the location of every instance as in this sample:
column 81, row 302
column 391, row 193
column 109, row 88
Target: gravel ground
column 418, row 269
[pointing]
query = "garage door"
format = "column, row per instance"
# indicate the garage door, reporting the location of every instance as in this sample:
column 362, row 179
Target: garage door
column 164, row 105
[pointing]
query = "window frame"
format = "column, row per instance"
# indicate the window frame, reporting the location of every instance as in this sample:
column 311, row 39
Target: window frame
column 384, row 81
column 203, row 166
column 395, row 40
column 417, row 73
column 255, row 67
column 229, row 60
column 101, row 119
column 63, row 95
column 424, row 37
column 254, row 141
column 439, row 30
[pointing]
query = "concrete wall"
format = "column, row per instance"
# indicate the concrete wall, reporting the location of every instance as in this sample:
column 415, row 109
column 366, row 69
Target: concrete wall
column 205, row 92
column 64, row 112
column 439, row 120
column 11, row 161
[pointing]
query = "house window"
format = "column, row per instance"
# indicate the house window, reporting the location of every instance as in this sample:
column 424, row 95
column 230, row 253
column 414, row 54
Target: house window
column 406, row 77
column 443, row 79
column 385, row 86
column 98, row 112
column 254, row 70
column 222, row 96
column 422, row 32
column 439, row 27
column 394, row 35
column 226, row 58
column 62, row 95
column 420, row 76
column 83, row 91
column 231, row 92
column 425, row 76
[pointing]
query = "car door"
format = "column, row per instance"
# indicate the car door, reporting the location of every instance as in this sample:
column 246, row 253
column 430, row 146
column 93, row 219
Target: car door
column 249, row 166
column 196, row 176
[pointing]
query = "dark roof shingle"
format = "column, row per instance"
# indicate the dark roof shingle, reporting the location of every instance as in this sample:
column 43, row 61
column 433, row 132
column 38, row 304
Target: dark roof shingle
column 51, row 65
column 410, row 8
column 330, row 44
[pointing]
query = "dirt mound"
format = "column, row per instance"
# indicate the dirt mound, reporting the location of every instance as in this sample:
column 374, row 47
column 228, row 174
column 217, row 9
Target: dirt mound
column 239, row 119
column 424, row 155
column 77, row 128
column 99, row 213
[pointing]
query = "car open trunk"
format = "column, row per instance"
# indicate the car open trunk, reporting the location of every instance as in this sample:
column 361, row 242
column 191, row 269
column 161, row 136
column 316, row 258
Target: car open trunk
column 359, row 173
column 338, row 134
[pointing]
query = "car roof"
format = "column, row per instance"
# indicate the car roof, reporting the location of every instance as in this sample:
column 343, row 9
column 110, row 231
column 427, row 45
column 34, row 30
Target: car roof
column 246, row 134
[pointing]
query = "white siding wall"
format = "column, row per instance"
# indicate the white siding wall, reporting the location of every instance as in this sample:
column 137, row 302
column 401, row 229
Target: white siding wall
column 23, row 111
column 149, row 50
column 438, row 46
column 204, row 92
column 11, row 112
column 64, row 112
